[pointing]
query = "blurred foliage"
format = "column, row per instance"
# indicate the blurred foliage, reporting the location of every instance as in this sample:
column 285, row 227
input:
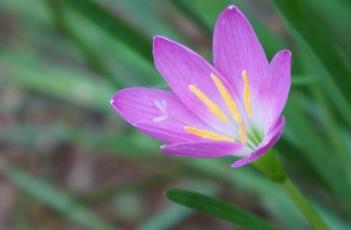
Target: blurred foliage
column 66, row 158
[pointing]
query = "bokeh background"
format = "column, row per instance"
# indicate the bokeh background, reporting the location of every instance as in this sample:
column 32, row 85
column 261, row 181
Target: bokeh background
column 67, row 161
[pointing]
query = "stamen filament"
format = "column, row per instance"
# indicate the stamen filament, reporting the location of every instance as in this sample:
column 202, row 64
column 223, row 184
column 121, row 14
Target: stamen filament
column 242, row 133
column 230, row 103
column 247, row 94
column 208, row 134
column 211, row 106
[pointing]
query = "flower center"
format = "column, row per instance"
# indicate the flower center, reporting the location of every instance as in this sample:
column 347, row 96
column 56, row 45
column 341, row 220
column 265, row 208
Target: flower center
column 254, row 136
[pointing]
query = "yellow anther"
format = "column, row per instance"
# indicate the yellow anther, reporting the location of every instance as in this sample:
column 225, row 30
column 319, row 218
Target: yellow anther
column 247, row 94
column 208, row 134
column 211, row 106
column 230, row 103
column 242, row 133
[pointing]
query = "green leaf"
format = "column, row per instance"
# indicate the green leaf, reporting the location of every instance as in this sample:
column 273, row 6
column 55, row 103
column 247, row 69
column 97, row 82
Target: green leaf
column 217, row 208
column 306, row 28
column 334, row 14
column 115, row 26
column 173, row 215
column 52, row 196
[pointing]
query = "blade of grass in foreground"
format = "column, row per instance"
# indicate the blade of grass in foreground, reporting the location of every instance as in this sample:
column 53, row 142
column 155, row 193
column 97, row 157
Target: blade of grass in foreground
column 52, row 196
column 306, row 29
column 113, row 25
column 168, row 218
column 217, row 208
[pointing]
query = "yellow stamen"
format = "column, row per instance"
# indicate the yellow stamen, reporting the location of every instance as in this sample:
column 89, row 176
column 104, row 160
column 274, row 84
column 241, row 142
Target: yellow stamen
column 242, row 133
column 208, row 134
column 247, row 97
column 232, row 107
column 230, row 103
column 211, row 106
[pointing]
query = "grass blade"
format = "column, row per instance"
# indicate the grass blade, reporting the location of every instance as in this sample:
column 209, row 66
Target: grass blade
column 316, row 150
column 91, row 58
column 217, row 208
column 113, row 25
column 307, row 30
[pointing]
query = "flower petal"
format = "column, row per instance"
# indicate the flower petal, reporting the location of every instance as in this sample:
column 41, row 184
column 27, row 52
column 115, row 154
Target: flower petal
column 202, row 149
column 273, row 94
column 158, row 113
column 270, row 140
column 182, row 69
column 237, row 48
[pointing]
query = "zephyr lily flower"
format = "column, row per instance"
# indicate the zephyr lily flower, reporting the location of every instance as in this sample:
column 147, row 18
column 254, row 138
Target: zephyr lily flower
column 230, row 108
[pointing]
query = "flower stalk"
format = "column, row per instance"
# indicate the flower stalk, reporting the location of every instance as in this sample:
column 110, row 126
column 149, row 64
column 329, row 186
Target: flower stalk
column 270, row 166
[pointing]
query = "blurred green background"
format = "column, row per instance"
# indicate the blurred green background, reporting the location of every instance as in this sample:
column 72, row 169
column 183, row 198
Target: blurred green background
column 67, row 161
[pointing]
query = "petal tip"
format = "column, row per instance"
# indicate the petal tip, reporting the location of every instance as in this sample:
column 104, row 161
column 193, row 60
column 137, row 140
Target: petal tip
column 236, row 164
column 159, row 42
column 243, row 161
column 283, row 54
column 155, row 40
column 114, row 98
column 156, row 37
column 286, row 52
column 118, row 97
column 233, row 9
column 159, row 38
column 164, row 149
column 114, row 102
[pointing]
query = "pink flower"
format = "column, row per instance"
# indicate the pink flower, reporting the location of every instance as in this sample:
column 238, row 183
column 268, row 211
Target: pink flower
column 230, row 108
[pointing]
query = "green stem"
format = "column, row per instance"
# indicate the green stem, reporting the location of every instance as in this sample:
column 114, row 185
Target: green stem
column 303, row 205
column 270, row 166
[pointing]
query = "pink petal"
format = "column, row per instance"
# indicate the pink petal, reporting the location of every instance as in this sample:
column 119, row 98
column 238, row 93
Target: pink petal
column 270, row 140
column 237, row 48
column 273, row 93
column 202, row 149
column 181, row 67
column 158, row 113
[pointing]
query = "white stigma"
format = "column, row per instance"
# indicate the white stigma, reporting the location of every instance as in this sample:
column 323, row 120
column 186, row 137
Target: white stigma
column 162, row 106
